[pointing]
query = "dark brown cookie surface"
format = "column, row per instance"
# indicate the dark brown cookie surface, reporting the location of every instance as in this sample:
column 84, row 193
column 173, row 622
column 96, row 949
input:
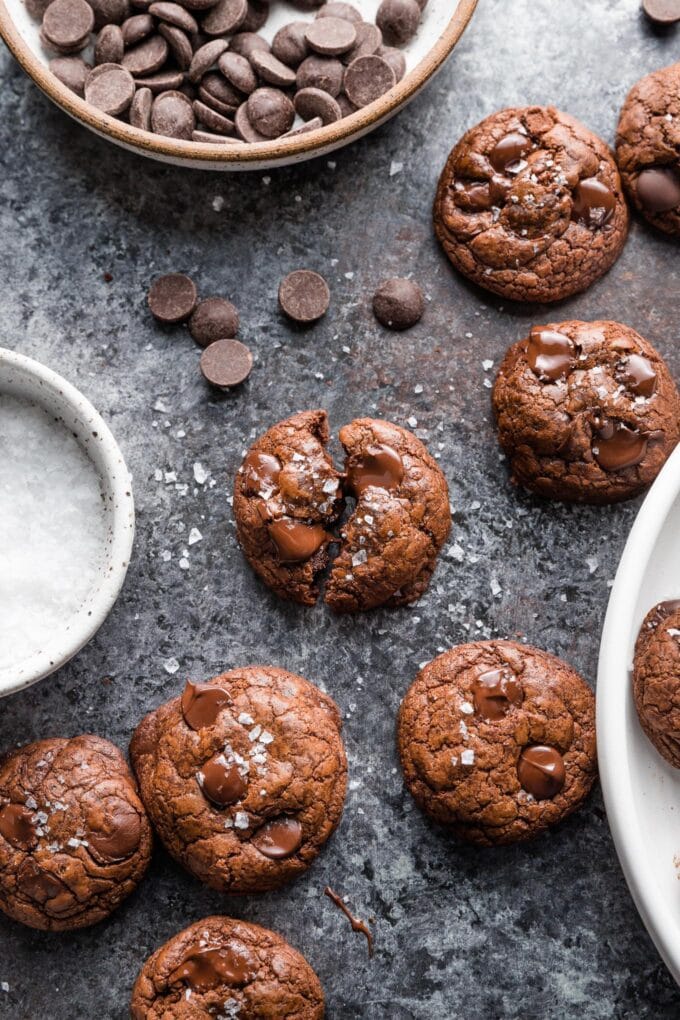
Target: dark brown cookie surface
column 244, row 777
column 74, row 837
column 656, row 679
column 219, row 967
column 587, row 411
column 530, row 205
column 401, row 519
column 648, row 148
column 497, row 740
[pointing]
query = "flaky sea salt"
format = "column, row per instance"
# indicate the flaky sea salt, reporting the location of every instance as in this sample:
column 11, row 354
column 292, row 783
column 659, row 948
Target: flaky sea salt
column 52, row 526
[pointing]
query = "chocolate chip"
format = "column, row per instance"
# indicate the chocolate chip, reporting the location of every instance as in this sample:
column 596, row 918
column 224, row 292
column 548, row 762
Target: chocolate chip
column 225, row 17
column 215, row 121
column 219, row 94
column 541, row 771
column 271, row 69
column 147, row 57
column 256, row 16
column 175, row 15
column 246, row 43
column 368, row 78
column 395, row 58
column 109, row 46
column 289, row 45
column 109, row 12
column 244, row 127
column 271, row 112
column 304, row 296
column 71, row 72
column 302, row 129
column 226, row 363
column 205, row 56
column 398, row 20
column 109, row 88
column 346, row 108
column 136, row 28
column 398, row 303
column 658, row 189
column 369, row 40
column 172, row 298
column 67, row 24
column 214, row 319
column 320, row 73
column 340, row 10
column 315, row 103
column 179, row 44
column 172, row 115
column 140, row 111
column 206, row 136
column 331, row 36
column 662, row 12
column 163, row 81
column 238, row 72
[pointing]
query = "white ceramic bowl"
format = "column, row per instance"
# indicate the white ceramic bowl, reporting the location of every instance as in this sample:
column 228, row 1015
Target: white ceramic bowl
column 443, row 23
column 641, row 791
column 22, row 377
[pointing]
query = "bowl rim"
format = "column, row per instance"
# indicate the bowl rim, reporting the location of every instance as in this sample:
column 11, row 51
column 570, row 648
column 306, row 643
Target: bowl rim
column 613, row 697
column 251, row 154
column 89, row 618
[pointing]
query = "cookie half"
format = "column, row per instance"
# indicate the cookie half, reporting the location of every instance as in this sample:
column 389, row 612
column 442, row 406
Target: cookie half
column 530, row 205
column 497, row 741
column 220, row 967
column 656, row 679
column 587, row 412
column 244, row 776
column 648, row 148
column 75, row 840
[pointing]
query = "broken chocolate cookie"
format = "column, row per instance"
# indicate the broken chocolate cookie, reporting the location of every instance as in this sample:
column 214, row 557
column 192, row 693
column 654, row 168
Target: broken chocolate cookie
column 244, row 776
column 530, row 205
column 75, row 840
column 656, row 679
column 497, row 741
column 587, row 412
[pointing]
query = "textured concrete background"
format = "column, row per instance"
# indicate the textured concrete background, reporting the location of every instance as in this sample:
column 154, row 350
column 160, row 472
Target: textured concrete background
column 544, row 930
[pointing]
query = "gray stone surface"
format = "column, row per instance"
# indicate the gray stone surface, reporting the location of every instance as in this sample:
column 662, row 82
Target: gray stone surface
column 544, row 930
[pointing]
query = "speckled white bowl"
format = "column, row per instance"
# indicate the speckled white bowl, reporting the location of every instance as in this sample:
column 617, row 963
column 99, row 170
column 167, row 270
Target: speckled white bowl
column 28, row 379
column 641, row 790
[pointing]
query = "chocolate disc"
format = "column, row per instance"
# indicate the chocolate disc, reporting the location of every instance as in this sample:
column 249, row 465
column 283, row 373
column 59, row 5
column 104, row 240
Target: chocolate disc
column 541, row 771
column 172, row 298
column 304, row 296
column 221, row 782
column 226, row 363
column 279, row 839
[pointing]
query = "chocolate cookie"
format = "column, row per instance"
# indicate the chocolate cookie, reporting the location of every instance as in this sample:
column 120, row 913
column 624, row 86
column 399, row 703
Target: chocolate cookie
column 587, row 411
column 74, row 837
column 220, row 967
column 400, row 522
column 648, row 148
column 244, row 777
column 656, row 679
column 530, row 205
column 288, row 496
column 497, row 740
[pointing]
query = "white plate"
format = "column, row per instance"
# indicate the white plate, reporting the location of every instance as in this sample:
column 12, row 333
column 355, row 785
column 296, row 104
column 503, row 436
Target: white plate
column 442, row 25
column 641, row 791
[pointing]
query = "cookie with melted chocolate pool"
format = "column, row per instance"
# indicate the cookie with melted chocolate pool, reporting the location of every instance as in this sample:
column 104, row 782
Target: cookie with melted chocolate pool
column 587, row 412
column 75, row 840
column 220, row 967
column 497, row 741
column 656, row 678
column 648, row 148
column 530, row 205
column 244, row 776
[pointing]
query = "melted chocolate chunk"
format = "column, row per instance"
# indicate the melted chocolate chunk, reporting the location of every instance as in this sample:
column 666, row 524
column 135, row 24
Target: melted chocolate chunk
column 295, row 541
column 550, row 354
column 507, row 154
column 615, row 446
column 221, row 782
column 495, row 691
column 639, row 375
column 43, row 887
column 120, row 836
column 663, row 610
column 541, row 771
column 658, row 189
column 279, row 839
column 202, row 703
column 380, row 467
column 17, row 826
column 593, row 204
column 205, row 969
column 261, row 472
